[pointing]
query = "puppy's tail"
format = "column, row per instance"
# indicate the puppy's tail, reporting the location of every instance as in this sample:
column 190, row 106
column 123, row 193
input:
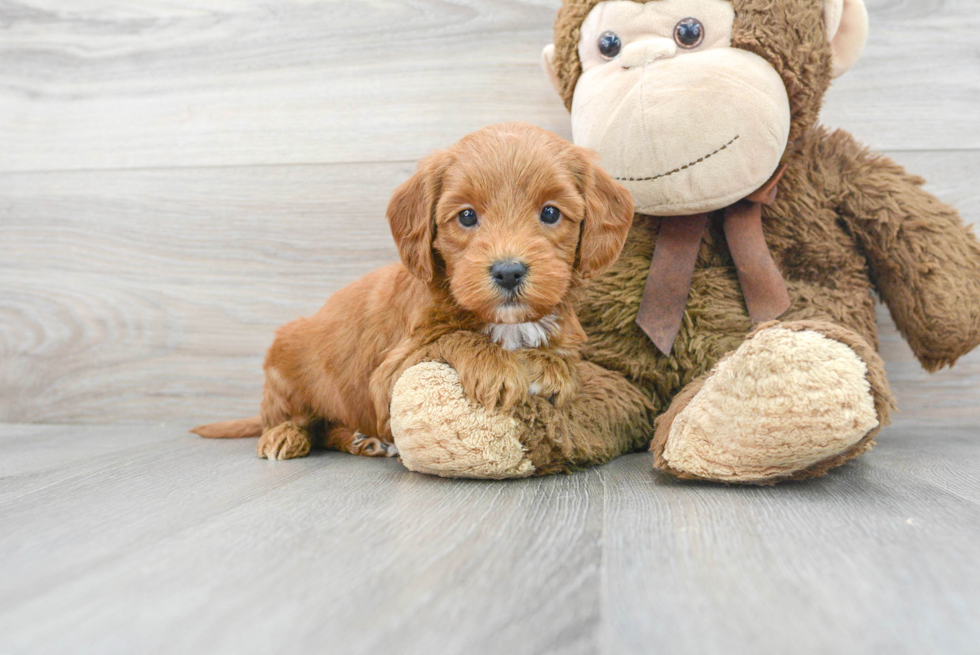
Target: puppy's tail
column 238, row 429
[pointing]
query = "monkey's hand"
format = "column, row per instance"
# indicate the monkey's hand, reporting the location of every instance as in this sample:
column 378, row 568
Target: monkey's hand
column 925, row 261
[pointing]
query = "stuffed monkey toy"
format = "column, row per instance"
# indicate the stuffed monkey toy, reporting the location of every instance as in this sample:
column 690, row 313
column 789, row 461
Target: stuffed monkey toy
column 737, row 330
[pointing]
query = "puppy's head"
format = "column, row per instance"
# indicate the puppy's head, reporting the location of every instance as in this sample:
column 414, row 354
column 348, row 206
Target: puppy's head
column 509, row 220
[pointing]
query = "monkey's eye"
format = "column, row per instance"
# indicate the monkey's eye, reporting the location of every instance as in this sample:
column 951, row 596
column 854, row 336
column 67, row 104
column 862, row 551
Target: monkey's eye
column 609, row 45
column 466, row 218
column 550, row 215
column 689, row 33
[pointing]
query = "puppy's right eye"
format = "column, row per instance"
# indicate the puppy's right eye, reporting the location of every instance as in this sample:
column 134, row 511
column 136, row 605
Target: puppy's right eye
column 466, row 218
column 610, row 45
column 550, row 215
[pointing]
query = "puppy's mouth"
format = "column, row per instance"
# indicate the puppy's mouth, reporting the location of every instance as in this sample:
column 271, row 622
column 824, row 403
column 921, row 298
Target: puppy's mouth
column 511, row 310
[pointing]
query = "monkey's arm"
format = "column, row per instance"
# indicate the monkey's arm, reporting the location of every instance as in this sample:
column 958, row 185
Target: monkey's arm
column 925, row 262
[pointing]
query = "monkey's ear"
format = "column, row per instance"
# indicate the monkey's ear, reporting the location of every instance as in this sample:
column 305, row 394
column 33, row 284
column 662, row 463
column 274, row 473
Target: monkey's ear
column 847, row 31
column 411, row 215
column 548, row 63
column 608, row 216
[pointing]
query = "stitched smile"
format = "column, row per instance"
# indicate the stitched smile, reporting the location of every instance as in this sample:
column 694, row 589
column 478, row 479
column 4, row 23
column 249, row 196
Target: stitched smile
column 678, row 170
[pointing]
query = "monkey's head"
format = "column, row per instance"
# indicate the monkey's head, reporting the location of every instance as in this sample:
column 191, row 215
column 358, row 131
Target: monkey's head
column 693, row 104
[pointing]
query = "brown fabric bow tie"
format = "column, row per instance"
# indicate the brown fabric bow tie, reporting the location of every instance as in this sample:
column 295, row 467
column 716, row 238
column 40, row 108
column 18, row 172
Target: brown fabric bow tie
column 669, row 281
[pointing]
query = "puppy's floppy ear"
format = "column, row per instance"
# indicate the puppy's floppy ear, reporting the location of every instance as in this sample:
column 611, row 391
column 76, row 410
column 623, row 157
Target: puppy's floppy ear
column 608, row 216
column 411, row 215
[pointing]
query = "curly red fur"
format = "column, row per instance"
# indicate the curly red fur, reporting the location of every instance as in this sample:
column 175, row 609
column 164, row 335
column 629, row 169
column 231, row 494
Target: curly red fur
column 331, row 374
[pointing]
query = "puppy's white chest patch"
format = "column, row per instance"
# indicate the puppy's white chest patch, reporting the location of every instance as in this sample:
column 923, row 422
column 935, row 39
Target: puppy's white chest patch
column 512, row 336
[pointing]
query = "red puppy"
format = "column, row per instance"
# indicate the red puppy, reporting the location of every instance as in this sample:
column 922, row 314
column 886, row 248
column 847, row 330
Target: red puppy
column 495, row 235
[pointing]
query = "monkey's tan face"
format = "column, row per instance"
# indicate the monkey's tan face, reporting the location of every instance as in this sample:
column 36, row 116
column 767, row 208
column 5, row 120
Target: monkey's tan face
column 683, row 120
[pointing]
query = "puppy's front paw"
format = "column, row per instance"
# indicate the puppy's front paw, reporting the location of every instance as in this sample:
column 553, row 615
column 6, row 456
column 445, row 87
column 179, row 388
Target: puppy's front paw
column 285, row 441
column 552, row 377
column 500, row 384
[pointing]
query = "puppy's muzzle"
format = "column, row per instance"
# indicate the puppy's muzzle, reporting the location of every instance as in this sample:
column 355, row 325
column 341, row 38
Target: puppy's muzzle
column 508, row 275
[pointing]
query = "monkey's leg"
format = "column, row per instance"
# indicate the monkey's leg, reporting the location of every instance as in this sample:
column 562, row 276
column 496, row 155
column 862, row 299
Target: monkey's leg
column 439, row 431
column 793, row 401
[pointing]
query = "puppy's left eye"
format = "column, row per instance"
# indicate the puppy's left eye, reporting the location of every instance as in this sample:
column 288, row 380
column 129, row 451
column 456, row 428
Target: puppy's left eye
column 467, row 218
column 550, row 215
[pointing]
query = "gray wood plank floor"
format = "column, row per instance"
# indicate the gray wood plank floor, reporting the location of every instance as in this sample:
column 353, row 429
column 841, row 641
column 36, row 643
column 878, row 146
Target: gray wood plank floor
column 143, row 539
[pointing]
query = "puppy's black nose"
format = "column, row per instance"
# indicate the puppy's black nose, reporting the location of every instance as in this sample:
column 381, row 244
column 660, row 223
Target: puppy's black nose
column 508, row 275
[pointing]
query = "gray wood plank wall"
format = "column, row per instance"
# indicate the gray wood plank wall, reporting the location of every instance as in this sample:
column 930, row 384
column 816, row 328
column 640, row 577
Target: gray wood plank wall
column 178, row 178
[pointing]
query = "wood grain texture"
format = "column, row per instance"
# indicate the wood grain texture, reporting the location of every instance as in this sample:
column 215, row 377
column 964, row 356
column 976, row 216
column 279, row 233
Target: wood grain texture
column 917, row 83
column 197, row 546
column 95, row 85
column 136, row 295
column 143, row 539
column 873, row 558
column 210, row 82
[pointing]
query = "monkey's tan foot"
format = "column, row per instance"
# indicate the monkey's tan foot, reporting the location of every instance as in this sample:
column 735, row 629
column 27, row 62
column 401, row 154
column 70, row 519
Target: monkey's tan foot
column 793, row 401
column 285, row 441
column 439, row 431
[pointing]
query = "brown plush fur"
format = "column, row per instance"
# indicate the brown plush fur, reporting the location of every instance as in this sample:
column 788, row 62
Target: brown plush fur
column 847, row 224
column 329, row 377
